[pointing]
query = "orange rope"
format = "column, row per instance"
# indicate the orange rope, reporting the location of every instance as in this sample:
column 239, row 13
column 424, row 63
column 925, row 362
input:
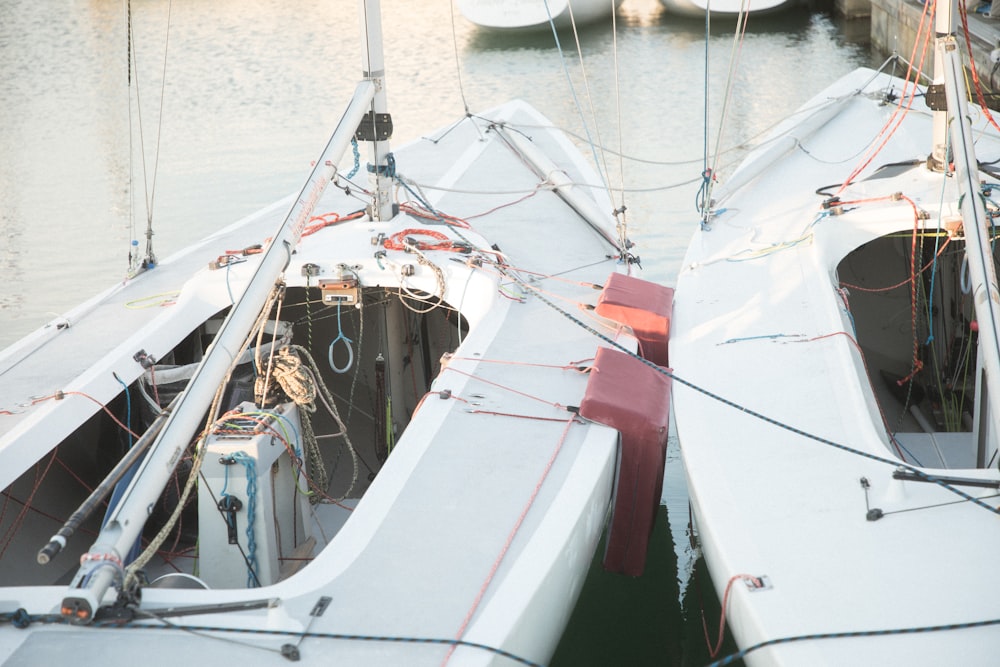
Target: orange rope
column 571, row 366
column 316, row 223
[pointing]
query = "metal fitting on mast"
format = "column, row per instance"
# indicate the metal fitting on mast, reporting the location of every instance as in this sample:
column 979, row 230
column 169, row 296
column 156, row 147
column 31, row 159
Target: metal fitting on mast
column 376, row 127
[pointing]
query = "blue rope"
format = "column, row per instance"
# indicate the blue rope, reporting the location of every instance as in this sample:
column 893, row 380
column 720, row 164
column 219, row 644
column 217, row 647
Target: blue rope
column 937, row 241
column 123, row 483
column 250, row 464
column 389, row 169
column 128, row 409
column 347, row 343
column 357, row 158
column 229, row 288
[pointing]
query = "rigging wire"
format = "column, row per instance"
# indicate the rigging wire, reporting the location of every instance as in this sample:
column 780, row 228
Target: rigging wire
column 149, row 181
column 619, row 210
column 600, row 161
column 603, row 168
column 703, row 202
column 734, row 57
column 458, row 61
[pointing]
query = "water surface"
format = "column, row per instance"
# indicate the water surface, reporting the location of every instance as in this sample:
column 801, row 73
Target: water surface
column 236, row 98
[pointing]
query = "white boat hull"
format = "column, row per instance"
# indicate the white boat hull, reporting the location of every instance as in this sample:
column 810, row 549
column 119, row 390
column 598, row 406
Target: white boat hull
column 472, row 542
column 728, row 8
column 535, row 14
column 791, row 475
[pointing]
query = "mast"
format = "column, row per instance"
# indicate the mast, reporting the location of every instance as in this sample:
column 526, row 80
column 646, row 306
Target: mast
column 376, row 127
column 944, row 28
column 125, row 523
column 976, row 225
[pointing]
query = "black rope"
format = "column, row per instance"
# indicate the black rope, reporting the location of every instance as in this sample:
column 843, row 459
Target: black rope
column 745, row 410
column 21, row 619
column 729, row 659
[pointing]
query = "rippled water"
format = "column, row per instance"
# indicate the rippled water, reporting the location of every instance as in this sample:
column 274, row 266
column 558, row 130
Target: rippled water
column 237, row 98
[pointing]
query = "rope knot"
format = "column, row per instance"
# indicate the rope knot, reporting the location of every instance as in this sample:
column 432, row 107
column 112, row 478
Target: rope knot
column 20, row 619
column 294, row 379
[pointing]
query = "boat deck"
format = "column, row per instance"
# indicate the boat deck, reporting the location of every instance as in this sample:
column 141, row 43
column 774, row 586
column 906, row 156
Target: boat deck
column 784, row 469
column 481, row 525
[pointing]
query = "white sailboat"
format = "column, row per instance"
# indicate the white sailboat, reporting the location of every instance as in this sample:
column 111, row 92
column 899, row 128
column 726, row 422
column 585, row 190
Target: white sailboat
column 724, row 9
column 835, row 344
column 372, row 424
column 534, row 14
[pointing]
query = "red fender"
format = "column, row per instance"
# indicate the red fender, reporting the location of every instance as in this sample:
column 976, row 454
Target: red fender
column 643, row 306
column 627, row 394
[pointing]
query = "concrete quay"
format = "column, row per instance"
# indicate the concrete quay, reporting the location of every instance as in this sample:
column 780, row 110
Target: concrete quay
column 894, row 25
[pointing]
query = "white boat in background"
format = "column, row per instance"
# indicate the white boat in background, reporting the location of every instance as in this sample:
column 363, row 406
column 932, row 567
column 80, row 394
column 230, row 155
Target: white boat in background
column 728, row 8
column 836, row 358
column 349, row 429
column 528, row 14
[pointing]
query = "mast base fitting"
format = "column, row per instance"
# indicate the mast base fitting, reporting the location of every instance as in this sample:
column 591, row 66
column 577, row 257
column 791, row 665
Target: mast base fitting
column 374, row 127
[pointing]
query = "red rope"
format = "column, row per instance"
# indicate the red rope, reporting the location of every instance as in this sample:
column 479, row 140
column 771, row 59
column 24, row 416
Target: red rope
column 295, row 459
column 323, row 220
column 915, row 368
column 395, row 242
column 510, row 540
column 72, row 473
column 714, row 650
column 975, row 73
column 19, row 519
column 500, row 386
column 421, row 212
column 893, row 121
column 928, row 265
column 59, row 395
column 864, row 362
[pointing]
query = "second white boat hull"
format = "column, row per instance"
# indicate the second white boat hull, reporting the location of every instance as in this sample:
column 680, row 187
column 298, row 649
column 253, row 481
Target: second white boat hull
column 535, row 14
column 728, row 8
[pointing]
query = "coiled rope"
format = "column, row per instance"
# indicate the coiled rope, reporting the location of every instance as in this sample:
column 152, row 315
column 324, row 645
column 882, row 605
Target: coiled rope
column 303, row 384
